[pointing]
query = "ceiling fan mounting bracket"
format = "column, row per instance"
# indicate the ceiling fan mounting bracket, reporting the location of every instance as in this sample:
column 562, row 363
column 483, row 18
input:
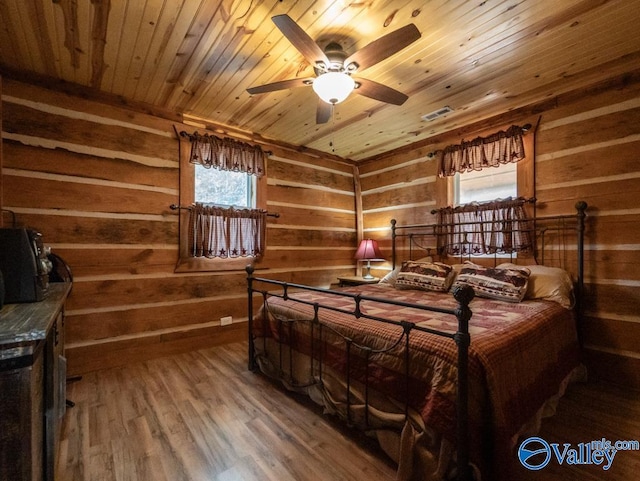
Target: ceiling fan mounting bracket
column 336, row 57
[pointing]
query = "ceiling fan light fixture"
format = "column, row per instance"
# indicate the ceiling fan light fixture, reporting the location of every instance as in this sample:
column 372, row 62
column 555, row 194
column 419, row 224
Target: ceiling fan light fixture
column 333, row 87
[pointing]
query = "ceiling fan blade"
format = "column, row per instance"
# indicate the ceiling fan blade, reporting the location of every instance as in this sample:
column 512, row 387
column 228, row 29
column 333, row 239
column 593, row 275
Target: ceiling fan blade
column 323, row 114
column 384, row 47
column 280, row 85
column 377, row 91
column 309, row 49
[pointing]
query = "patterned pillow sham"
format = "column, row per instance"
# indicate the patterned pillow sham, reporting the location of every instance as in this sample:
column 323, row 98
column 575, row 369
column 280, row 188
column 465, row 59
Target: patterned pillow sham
column 426, row 276
column 505, row 284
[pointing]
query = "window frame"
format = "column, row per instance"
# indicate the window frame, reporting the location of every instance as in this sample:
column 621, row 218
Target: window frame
column 525, row 177
column 185, row 262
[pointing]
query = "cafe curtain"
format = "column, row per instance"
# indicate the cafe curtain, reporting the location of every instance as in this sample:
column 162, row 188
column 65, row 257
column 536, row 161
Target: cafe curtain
column 226, row 232
column 495, row 227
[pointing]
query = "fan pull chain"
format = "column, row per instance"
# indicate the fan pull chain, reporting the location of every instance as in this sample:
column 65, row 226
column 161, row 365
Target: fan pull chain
column 333, row 127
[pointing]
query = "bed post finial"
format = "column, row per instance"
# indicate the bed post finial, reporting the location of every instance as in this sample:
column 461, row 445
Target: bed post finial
column 581, row 206
column 464, row 294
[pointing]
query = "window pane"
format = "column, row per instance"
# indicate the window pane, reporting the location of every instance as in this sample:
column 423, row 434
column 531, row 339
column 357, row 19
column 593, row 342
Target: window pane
column 487, row 184
column 220, row 187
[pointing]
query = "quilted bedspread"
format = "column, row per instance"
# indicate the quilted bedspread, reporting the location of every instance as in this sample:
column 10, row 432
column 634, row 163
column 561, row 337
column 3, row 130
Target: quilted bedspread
column 518, row 357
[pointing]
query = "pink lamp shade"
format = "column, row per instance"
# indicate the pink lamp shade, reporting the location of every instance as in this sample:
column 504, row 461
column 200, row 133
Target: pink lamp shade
column 368, row 251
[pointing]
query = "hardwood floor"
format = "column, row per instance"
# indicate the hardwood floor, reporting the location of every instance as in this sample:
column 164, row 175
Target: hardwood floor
column 589, row 412
column 203, row 416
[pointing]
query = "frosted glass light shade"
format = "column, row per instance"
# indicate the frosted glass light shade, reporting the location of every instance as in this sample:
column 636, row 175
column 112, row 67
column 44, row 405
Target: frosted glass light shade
column 333, row 87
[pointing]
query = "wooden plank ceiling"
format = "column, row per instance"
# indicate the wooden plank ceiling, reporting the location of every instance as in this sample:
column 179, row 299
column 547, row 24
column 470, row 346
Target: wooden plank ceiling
column 198, row 57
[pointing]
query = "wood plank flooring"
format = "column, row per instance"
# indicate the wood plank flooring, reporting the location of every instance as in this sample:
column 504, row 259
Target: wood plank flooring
column 203, row 416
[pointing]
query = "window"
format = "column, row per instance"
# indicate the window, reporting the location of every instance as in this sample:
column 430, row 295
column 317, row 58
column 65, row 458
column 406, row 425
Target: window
column 498, row 166
column 486, row 184
column 224, row 188
column 216, row 185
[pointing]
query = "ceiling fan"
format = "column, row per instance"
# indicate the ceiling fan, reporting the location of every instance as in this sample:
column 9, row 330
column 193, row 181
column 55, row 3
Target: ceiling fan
column 334, row 69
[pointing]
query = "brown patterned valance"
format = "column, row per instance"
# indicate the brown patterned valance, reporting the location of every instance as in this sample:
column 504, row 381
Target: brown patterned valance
column 226, row 154
column 500, row 148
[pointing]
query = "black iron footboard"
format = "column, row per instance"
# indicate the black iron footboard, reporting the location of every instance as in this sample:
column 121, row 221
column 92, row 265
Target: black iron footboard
column 557, row 239
column 463, row 295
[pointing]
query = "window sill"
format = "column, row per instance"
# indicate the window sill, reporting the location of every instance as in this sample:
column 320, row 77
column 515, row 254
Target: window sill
column 204, row 264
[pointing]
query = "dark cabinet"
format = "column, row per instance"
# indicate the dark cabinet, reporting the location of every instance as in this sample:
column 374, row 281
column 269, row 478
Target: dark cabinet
column 32, row 386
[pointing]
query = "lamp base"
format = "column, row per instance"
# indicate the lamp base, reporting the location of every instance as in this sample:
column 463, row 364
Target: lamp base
column 368, row 274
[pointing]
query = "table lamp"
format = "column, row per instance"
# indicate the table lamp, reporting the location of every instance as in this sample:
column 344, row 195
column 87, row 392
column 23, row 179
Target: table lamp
column 368, row 251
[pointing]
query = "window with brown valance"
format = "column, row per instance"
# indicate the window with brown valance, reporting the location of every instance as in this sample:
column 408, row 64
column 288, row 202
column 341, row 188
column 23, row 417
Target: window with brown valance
column 215, row 231
column 500, row 148
column 496, row 227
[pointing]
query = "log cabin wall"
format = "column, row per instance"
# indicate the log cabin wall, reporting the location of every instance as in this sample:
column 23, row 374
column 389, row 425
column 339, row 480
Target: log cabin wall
column 587, row 148
column 97, row 181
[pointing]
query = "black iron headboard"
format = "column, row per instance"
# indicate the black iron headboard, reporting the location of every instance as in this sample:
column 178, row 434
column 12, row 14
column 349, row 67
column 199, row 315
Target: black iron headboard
column 558, row 241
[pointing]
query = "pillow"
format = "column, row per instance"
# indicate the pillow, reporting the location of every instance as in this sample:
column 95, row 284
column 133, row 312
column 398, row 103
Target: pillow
column 426, row 276
column 550, row 283
column 390, row 278
column 457, row 268
column 505, row 284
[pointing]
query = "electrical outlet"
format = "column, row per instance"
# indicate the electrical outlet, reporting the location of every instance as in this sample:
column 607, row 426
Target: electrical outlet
column 225, row 321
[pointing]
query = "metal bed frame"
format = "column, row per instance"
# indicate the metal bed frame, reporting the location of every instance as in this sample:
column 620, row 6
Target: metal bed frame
column 544, row 229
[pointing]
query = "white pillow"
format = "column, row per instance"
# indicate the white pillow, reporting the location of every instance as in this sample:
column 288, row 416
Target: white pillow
column 390, row 278
column 550, row 283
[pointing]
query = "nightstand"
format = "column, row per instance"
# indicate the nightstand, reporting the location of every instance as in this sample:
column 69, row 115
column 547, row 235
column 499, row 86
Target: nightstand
column 356, row 281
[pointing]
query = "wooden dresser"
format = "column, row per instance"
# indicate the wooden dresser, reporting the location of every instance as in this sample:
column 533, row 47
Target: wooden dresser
column 32, row 385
